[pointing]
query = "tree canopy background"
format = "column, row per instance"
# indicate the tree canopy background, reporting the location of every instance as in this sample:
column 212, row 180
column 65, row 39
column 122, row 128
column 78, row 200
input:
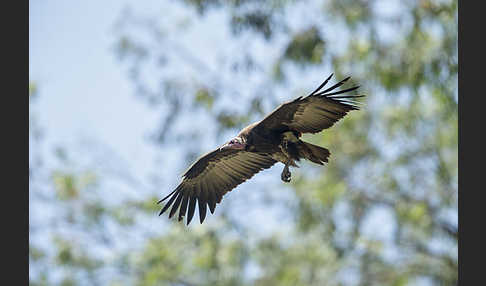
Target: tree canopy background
column 382, row 212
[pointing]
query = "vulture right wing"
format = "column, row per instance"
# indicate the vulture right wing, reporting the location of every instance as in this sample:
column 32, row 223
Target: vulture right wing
column 313, row 113
column 211, row 177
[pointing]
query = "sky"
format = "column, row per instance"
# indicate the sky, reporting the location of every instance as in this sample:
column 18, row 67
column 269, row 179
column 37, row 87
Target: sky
column 83, row 91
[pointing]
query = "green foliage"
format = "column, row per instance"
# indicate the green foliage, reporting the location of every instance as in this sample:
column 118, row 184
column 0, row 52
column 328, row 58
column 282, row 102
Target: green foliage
column 71, row 255
column 256, row 20
column 35, row 253
column 68, row 185
column 306, row 47
column 32, row 90
column 200, row 258
column 205, row 98
column 65, row 186
column 353, row 12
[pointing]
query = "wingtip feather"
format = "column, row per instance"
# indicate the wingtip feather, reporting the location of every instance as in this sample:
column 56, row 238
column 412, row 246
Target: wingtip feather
column 168, row 204
column 321, row 85
column 166, row 197
column 202, row 210
column 176, row 205
column 183, row 209
column 192, row 207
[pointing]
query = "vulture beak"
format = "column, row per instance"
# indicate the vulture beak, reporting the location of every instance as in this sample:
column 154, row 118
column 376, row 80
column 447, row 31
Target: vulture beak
column 233, row 144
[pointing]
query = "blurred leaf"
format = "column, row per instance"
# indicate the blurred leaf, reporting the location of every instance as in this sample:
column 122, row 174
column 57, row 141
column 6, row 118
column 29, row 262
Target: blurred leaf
column 65, row 186
column 32, row 90
column 306, row 47
column 205, row 98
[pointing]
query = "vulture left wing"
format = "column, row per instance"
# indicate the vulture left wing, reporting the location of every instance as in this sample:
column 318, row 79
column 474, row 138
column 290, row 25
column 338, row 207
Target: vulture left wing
column 313, row 113
column 211, row 177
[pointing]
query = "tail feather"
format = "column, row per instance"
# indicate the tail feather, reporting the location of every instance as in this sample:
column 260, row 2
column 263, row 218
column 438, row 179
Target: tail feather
column 314, row 153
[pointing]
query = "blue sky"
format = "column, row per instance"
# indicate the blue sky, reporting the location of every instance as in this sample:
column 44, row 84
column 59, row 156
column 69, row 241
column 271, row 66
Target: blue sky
column 83, row 91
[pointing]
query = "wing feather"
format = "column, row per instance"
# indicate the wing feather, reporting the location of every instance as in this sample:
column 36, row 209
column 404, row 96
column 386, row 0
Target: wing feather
column 169, row 203
column 176, row 203
column 211, row 177
column 192, row 208
column 202, row 203
column 183, row 209
column 311, row 114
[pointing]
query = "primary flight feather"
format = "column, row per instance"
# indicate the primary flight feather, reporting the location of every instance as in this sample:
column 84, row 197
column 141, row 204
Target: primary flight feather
column 259, row 146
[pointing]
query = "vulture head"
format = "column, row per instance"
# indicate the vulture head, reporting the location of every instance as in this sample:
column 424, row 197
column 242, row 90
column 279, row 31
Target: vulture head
column 237, row 143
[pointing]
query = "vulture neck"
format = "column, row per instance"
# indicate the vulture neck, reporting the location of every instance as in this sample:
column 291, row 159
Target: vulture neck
column 247, row 130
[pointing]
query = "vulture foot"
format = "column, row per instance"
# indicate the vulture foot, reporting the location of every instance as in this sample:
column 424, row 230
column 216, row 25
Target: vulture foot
column 286, row 174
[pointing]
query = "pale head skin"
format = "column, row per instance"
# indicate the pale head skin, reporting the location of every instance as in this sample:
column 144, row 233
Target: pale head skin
column 236, row 143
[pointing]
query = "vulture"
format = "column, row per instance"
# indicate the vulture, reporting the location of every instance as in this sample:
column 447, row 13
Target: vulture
column 259, row 146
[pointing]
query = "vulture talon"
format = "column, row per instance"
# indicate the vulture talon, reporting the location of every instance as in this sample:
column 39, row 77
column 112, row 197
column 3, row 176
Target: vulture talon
column 286, row 174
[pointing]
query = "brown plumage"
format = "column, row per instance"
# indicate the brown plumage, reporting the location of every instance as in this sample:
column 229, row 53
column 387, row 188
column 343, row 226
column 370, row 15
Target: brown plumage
column 259, row 146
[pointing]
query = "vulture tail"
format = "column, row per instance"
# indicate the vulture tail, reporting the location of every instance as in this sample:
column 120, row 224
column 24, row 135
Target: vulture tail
column 316, row 154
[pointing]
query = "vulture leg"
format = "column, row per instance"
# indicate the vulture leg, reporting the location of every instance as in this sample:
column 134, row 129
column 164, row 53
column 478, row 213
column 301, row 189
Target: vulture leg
column 286, row 173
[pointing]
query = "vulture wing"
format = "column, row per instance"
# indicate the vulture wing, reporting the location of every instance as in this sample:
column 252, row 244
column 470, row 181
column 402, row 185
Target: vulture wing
column 211, row 177
column 313, row 113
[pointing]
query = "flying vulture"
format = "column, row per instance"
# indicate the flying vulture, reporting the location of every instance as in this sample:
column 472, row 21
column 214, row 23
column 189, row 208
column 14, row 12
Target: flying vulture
column 259, row 146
